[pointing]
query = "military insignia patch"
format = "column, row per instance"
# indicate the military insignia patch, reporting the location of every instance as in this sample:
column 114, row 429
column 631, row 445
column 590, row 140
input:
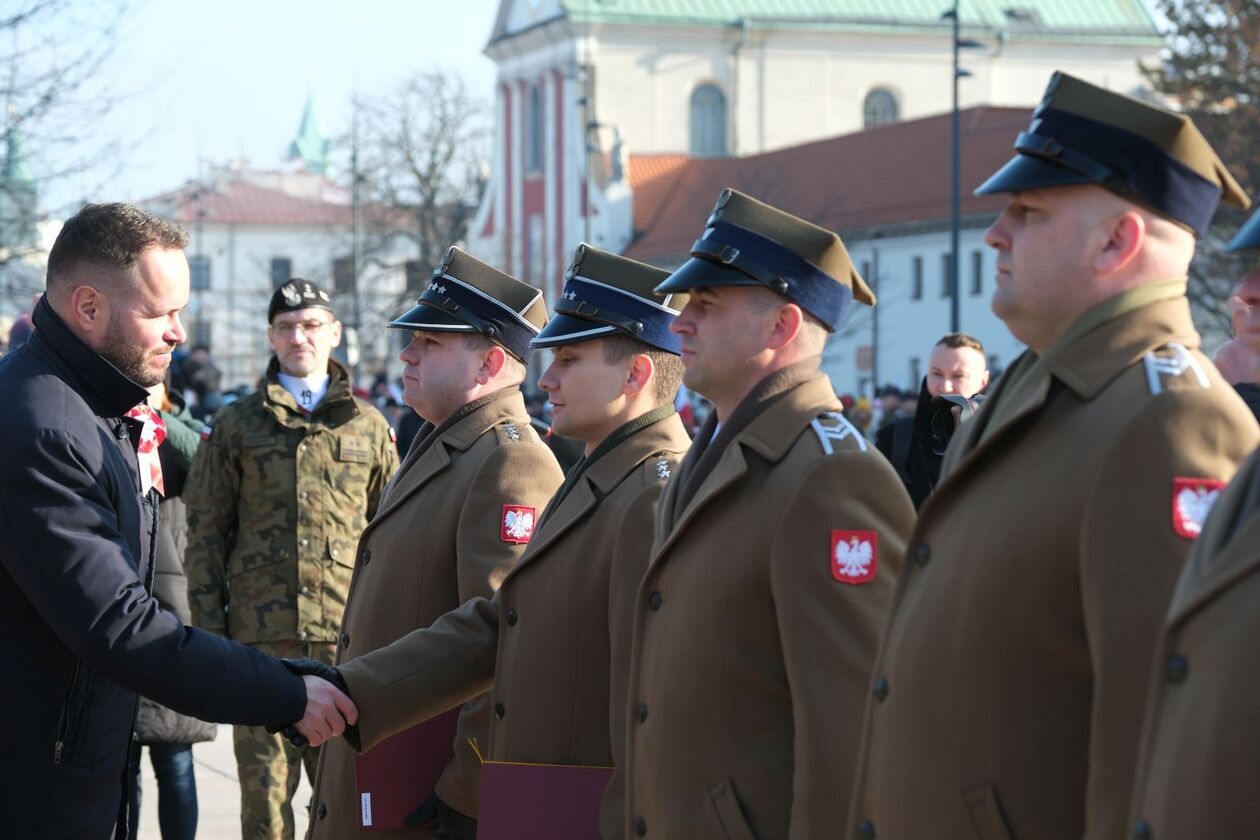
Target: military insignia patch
column 854, row 556
column 1192, row 500
column 517, row 524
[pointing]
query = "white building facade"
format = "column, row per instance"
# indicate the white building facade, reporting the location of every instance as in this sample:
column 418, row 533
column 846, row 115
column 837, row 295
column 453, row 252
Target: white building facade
column 583, row 83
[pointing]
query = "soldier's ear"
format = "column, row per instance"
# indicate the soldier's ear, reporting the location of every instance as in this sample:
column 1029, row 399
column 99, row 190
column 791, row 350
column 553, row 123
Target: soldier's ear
column 491, row 363
column 336, row 333
column 1124, row 242
column 639, row 374
column 787, row 326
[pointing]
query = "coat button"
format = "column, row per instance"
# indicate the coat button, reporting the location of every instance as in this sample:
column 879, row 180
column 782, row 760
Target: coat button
column 654, row 601
column 866, row 831
column 641, row 712
column 121, row 432
column 923, row 555
column 1177, row 668
column 345, row 640
column 302, row 634
column 1142, row 830
column 499, row 711
column 304, row 590
column 365, row 557
column 881, row 690
column 511, row 618
column 303, row 541
column 321, row 811
column 640, row 827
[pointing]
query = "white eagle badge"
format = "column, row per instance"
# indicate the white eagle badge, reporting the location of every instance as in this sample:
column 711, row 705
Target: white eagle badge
column 1192, row 500
column 854, row 556
column 517, row 524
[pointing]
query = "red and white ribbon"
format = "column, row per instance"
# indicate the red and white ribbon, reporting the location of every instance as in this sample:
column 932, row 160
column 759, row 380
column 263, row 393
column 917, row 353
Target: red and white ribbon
column 151, row 437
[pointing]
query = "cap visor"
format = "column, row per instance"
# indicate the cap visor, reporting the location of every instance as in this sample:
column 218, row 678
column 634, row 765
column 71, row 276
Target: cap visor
column 698, row 273
column 425, row 317
column 566, row 329
column 1248, row 236
column 1024, row 172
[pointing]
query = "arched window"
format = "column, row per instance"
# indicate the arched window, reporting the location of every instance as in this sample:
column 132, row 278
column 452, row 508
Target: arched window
column 880, row 108
column 708, row 122
column 534, row 129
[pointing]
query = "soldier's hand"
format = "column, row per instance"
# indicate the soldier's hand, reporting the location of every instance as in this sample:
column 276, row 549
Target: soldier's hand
column 450, row 824
column 328, row 710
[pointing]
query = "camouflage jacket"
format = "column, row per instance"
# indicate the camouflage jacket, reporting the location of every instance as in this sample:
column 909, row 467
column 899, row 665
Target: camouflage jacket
column 276, row 502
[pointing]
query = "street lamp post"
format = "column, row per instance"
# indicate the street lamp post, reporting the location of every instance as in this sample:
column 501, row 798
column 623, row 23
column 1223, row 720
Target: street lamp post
column 875, row 311
column 955, row 207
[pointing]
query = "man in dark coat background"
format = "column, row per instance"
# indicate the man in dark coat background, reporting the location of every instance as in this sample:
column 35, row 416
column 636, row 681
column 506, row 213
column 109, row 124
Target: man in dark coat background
column 957, row 367
column 80, row 632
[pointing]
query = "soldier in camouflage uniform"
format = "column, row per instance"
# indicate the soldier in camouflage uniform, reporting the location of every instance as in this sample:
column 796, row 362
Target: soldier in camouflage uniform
column 290, row 477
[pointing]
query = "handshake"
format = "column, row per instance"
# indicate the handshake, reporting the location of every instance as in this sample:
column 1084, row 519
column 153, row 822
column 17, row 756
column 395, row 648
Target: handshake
column 329, row 709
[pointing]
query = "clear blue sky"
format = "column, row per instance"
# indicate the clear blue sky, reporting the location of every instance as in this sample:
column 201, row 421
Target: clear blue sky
column 212, row 80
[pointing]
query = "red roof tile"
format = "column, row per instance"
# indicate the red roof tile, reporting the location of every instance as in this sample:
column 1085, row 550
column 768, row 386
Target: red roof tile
column 893, row 174
column 237, row 202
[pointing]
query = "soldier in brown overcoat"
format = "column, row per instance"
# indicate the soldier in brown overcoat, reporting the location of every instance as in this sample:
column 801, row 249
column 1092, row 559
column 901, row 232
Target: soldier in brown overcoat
column 776, row 550
column 1199, row 766
column 555, row 638
column 440, row 535
column 1006, row 699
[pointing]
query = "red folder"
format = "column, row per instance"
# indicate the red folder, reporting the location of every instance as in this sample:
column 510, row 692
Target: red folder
column 398, row 774
column 540, row 801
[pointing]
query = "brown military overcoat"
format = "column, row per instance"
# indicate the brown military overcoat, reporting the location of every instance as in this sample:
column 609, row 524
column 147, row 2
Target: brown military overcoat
column 560, row 625
column 1007, row 697
column 751, row 654
column 437, row 541
column 1199, row 770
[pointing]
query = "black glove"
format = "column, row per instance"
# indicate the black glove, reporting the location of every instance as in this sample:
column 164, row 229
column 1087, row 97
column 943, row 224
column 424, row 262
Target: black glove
column 314, row 668
column 451, row 824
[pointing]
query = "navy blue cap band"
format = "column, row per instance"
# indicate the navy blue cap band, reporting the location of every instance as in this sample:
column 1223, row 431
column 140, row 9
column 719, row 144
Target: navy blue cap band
column 450, row 305
column 595, row 309
column 1124, row 162
column 781, row 270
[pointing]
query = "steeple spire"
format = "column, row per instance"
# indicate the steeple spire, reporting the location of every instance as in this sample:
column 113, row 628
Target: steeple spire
column 310, row 147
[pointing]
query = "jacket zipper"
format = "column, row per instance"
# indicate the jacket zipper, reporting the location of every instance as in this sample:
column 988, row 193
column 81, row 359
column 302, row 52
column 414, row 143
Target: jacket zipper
column 63, row 725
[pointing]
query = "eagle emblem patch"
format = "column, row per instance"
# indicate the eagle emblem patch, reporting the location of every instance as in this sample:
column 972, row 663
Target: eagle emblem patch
column 517, row 524
column 854, row 556
column 1192, row 500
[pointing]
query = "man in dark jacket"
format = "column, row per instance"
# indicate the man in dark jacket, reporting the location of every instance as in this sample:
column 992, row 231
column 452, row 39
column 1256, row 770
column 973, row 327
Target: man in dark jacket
column 957, row 367
column 168, row 734
column 80, row 633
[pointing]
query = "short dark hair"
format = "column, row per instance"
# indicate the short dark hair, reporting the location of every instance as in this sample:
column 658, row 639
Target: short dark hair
column 956, row 340
column 109, row 238
column 668, row 367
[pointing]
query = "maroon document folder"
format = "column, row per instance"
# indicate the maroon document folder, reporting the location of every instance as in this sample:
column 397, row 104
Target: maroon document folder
column 398, row 774
column 540, row 801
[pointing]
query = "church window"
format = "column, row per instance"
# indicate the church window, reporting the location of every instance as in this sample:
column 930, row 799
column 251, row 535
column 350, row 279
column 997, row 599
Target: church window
column 534, row 129
column 708, row 122
column 880, row 108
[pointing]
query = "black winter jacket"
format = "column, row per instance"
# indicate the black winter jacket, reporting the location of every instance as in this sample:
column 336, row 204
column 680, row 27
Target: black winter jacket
column 80, row 633
column 156, row 724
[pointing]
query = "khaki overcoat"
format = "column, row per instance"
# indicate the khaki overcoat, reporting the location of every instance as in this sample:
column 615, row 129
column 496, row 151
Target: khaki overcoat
column 751, row 658
column 1199, row 767
column 558, row 627
column 1007, row 697
column 436, row 541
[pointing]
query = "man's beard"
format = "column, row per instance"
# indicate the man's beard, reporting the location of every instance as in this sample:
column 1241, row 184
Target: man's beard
column 132, row 361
